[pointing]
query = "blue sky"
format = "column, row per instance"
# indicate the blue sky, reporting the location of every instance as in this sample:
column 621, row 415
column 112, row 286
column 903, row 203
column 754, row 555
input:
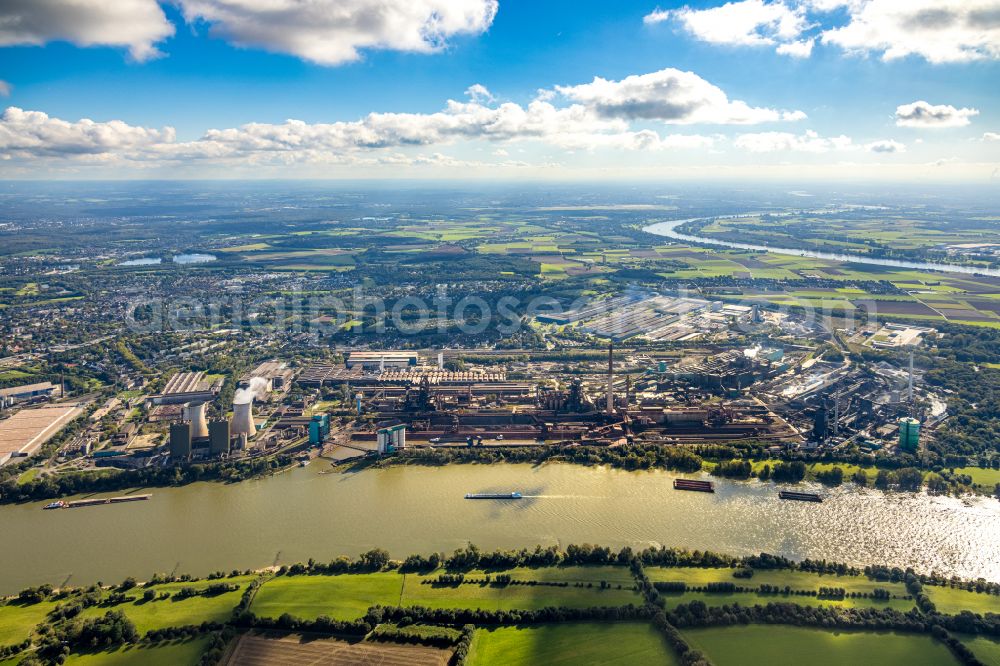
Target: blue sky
column 222, row 71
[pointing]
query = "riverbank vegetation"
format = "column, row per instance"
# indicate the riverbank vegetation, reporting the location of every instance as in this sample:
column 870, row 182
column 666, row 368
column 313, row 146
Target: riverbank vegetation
column 107, row 480
column 540, row 605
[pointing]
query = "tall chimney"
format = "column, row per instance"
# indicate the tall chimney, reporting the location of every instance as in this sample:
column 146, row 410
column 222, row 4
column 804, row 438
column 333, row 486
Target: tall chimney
column 611, row 377
column 909, row 392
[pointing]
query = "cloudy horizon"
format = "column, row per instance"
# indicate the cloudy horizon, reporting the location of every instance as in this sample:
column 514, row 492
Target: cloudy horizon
column 810, row 89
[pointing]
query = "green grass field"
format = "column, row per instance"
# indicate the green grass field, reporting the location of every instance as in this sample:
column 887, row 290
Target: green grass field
column 348, row 596
column 794, row 646
column 952, row 601
column 173, row 613
column 173, row 653
column 631, row 644
column 343, row 597
column 511, row 597
column 798, row 580
column 17, row 620
column 753, row 598
column 985, row 648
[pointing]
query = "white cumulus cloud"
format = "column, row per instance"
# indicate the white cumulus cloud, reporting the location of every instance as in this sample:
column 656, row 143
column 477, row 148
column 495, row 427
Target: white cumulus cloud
column 746, row 22
column 332, row 32
column 991, row 136
column 137, row 25
column 33, row 133
column 672, row 96
column 940, row 31
column 923, row 114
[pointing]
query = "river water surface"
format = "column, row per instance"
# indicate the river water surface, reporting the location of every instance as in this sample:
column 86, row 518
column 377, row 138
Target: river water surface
column 305, row 513
column 669, row 229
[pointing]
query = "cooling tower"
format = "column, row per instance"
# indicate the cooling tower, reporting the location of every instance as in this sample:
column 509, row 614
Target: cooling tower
column 243, row 419
column 195, row 413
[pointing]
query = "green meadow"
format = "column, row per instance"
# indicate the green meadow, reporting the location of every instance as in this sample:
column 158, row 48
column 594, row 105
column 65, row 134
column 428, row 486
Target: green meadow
column 626, row 644
column 793, row 646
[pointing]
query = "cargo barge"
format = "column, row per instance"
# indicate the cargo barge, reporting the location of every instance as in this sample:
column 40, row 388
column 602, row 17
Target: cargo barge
column 800, row 497
column 697, row 486
column 493, row 496
column 60, row 504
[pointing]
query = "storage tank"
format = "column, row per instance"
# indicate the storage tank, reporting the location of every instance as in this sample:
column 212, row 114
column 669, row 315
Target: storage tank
column 195, row 413
column 243, row 419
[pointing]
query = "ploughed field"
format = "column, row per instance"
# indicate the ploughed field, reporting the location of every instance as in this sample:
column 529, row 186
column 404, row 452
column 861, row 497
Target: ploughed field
column 348, row 597
column 296, row 650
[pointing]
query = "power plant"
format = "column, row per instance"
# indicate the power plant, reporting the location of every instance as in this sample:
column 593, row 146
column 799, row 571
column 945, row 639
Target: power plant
column 242, row 423
column 194, row 413
column 218, row 437
column 180, row 441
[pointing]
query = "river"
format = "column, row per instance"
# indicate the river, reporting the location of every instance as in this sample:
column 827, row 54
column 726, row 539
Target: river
column 669, row 229
column 305, row 513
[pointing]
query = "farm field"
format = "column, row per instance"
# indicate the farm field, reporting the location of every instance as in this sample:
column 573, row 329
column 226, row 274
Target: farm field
column 631, row 644
column 853, row 230
column 753, row 598
column 294, row 650
column 341, row 597
column 791, row 646
column 175, row 612
column 985, row 648
column 797, row 580
column 953, row 601
column 524, row 597
column 172, row 653
column 348, row 596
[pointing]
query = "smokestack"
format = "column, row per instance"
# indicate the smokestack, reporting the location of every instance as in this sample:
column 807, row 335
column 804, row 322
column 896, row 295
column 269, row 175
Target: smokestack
column 611, row 377
column 195, row 413
column 909, row 392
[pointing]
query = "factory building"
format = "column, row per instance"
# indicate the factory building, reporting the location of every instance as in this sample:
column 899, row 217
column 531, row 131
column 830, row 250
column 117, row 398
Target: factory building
column 218, row 437
column 24, row 433
column 14, row 394
column 381, row 359
column 187, row 387
column 909, row 434
column 276, row 374
column 180, row 441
